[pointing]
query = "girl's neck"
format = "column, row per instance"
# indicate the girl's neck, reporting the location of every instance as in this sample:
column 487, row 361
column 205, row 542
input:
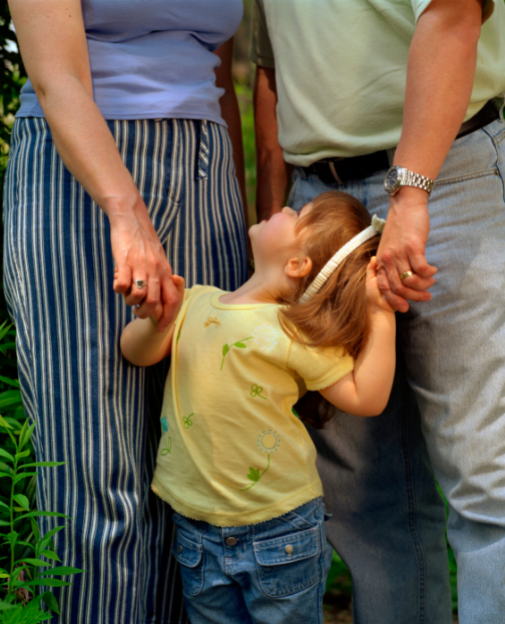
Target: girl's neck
column 263, row 286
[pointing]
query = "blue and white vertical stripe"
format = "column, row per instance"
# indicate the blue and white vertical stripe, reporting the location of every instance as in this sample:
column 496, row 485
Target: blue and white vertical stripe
column 92, row 409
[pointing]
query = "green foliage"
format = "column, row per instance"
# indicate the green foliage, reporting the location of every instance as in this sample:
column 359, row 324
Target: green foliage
column 23, row 551
column 13, row 76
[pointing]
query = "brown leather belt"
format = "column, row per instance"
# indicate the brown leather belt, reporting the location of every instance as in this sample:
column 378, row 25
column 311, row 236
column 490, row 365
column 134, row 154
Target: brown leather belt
column 331, row 170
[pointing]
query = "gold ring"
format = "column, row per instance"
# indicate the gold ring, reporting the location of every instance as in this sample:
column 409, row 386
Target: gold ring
column 406, row 274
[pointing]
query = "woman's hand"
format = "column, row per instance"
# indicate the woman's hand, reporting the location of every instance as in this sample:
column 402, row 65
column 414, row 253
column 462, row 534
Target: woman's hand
column 376, row 299
column 139, row 255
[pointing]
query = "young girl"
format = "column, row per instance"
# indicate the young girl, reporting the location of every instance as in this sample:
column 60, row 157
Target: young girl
column 234, row 462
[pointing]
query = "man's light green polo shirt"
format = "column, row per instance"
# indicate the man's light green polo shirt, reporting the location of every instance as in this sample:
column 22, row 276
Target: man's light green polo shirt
column 341, row 69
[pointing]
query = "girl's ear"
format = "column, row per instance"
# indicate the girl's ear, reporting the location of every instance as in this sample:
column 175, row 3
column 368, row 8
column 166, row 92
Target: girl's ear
column 298, row 267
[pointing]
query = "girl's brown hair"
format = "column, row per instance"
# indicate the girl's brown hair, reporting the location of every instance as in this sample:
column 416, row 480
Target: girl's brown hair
column 338, row 314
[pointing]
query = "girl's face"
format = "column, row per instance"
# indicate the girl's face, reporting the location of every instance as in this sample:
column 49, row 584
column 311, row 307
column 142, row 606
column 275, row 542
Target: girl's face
column 276, row 240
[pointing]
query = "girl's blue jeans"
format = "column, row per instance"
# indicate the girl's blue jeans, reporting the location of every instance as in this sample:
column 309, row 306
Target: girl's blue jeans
column 273, row 572
column 446, row 414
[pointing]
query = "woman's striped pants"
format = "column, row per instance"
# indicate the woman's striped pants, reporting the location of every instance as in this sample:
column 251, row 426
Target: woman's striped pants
column 93, row 410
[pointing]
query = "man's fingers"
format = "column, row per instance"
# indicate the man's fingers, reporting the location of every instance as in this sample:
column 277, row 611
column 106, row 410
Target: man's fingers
column 397, row 302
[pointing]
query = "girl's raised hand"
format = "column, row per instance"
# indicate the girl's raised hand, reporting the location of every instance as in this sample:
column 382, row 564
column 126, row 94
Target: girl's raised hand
column 375, row 298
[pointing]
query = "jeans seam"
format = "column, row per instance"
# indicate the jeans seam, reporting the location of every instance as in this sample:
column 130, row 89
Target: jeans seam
column 411, row 518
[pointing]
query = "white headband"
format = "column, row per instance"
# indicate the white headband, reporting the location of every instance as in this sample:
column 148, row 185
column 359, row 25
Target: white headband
column 371, row 231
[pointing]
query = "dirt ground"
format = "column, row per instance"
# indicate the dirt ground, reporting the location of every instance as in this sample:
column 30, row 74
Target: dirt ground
column 337, row 609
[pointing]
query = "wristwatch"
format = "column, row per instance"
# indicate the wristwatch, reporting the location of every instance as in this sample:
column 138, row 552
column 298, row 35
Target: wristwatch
column 397, row 177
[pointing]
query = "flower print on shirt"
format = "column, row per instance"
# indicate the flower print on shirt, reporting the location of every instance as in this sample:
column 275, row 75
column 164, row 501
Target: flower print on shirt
column 265, row 337
column 167, row 440
column 268, row 442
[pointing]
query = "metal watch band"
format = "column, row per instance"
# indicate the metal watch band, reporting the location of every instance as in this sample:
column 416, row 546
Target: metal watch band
column 417, row 180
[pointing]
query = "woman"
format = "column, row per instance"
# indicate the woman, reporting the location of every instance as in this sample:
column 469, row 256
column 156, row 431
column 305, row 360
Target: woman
column 119, row 157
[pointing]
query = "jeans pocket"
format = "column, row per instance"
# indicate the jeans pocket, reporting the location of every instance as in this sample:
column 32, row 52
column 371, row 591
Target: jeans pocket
column 190, row 555
column 289, row 564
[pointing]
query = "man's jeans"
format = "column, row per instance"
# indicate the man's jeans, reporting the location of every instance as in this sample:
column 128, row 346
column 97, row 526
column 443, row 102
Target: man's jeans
column 272, row 572
column 388, row 521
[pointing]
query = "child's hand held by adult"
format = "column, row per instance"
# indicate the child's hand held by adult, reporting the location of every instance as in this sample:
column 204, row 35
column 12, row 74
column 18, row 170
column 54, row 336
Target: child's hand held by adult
column 374, row 295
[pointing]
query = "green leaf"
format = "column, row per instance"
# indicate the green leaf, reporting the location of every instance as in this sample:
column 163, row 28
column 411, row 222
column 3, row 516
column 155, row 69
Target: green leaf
column 48, row 582
column 5, row 474
column 10, row 397
column 240, row 345
column 61, row 571
column 34, row 514
column 5, row 605
column 4, row 523
column 49, row 554
column 34, row 562
column 6, row 455
column 22, row 501
column 44, row 464
column 27, row 436
column 10, row 382
column 23, row 454
column 46, row 539
column 226, row 348
column 22, row 475
column 4, row 505
column 51, row 602
column 4, row 423
column 254, row 474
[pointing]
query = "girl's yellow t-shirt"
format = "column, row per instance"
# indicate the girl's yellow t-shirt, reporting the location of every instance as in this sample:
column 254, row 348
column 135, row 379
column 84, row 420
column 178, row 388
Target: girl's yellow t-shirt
column 232, row 451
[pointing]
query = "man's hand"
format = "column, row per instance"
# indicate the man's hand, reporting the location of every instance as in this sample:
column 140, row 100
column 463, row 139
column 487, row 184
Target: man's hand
column 402, row 249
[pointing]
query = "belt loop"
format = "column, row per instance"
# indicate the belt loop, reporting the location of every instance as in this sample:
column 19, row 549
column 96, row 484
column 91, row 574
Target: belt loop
column 331, row 165
column 203, row 152
column 391, row 155
column 502, row 106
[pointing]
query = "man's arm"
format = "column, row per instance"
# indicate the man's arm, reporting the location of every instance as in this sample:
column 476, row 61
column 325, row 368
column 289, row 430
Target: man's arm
column 440, row 73
column 273, row 173
column 231, row 113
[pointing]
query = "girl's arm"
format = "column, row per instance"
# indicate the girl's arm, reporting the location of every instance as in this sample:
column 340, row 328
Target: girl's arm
column 365, row 391
column 53, row 44
column 142, row 343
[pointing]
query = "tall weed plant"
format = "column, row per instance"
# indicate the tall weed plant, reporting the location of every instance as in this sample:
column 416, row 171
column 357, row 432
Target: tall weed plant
column 27, row 558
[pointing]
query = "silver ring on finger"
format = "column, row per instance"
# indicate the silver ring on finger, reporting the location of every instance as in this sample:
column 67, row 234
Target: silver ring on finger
column 406, row 274
column 139, row 283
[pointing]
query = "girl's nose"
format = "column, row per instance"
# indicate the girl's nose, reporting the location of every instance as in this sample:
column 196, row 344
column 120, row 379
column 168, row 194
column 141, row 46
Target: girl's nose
column 287, row 209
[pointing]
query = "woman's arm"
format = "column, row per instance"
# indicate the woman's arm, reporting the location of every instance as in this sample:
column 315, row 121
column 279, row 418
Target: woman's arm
column 53, row 45
column 231, row 113
column 142, row 343
column 365, row 391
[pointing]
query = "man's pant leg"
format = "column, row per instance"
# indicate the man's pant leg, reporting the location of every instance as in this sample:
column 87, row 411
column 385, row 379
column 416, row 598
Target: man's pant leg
column 454, row 350
column 455, row 353
column 388, row 518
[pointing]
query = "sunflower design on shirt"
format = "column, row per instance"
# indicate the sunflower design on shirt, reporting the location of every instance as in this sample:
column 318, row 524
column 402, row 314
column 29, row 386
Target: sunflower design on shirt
column 268, row 442
column 265, row 337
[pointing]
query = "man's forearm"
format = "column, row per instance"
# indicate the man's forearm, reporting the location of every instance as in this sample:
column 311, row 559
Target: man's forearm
column 440, row 74
column 273, row 172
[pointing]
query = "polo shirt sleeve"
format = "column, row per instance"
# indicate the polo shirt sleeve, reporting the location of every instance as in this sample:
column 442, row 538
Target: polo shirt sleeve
column 419, row 6
column 260, row 48
column 319, row 367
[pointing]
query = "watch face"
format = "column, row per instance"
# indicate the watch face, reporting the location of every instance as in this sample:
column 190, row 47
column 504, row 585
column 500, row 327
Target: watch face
column 392, row 179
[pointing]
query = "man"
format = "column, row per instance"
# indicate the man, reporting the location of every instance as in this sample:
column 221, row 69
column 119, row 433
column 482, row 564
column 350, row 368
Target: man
column 344, row 91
